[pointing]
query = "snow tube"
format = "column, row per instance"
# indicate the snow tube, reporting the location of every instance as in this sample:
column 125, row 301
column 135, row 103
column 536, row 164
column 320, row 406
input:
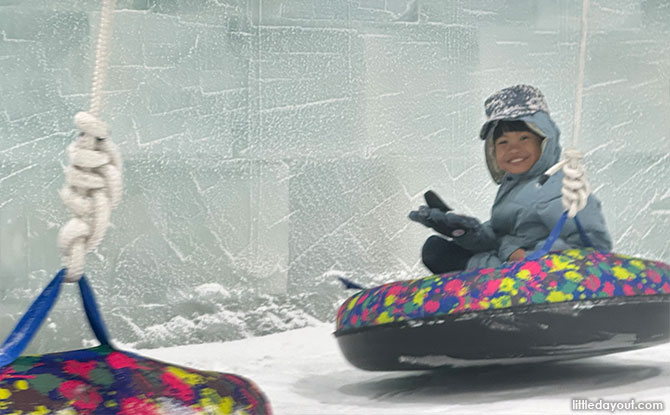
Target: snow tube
column 554, row 305
column 104, row 380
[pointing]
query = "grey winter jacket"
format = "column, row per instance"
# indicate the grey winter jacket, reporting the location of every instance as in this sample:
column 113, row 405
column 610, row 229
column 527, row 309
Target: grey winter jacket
column 525, row 212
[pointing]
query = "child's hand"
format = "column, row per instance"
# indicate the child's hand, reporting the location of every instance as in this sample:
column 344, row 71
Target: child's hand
column 449, row 224
column 425, row 215
column 517, row 255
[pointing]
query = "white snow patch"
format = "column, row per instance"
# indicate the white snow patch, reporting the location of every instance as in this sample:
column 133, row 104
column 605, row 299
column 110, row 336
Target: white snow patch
column 211, row 289
column 303, row 373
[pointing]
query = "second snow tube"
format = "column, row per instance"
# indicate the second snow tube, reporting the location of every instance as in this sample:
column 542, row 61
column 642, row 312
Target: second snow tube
column 563, row 305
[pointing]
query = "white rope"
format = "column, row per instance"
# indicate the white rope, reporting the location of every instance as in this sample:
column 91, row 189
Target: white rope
column 576, row 188
column 577, row 119
column 93, row 179
column 102, row 56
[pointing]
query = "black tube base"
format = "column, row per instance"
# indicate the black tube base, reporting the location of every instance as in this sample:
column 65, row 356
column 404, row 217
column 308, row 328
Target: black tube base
column 535, row 333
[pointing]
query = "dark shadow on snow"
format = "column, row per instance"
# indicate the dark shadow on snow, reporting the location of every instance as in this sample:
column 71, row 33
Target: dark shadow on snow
column 491, row 384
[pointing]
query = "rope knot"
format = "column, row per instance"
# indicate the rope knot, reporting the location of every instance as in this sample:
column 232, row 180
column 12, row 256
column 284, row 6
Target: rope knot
column 91, row 125
column 93, row 187
column 576, row 187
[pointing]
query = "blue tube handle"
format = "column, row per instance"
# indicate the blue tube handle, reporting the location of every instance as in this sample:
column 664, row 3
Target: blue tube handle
column 33, row 318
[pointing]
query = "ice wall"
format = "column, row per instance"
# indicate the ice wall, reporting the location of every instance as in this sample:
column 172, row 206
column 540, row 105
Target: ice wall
column 270, row 145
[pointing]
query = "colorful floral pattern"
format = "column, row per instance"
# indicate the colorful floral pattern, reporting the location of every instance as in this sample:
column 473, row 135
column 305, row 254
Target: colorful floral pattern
column 102, row 380
column 562, row 276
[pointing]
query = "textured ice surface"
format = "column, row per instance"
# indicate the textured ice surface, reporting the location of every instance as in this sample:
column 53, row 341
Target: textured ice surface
column 271, row 145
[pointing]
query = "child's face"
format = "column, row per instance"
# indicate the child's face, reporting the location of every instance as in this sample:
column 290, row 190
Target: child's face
column 517, row 151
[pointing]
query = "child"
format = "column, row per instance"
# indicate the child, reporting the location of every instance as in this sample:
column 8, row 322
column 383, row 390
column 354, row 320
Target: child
column 520, row 144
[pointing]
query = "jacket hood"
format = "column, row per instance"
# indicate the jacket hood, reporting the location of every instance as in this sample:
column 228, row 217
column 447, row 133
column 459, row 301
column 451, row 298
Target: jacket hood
column 521, row 103
column 541, row 124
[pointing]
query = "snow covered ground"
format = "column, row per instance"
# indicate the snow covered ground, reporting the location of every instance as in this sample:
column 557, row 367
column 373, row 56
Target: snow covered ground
column 303, row 373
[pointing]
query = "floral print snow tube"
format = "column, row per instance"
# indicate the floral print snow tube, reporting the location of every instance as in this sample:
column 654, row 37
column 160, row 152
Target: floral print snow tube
column 102, row 380
column 561, row 276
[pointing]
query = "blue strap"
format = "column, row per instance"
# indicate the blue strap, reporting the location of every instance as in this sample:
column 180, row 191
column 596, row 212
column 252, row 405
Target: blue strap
column 555, row 233
column 553, row 236
column 350, row 285
column 582, row 234
column 31, row 321
column 92, row 313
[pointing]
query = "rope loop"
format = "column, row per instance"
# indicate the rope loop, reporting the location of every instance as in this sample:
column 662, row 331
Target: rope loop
column 93, row 188
column 576, row 188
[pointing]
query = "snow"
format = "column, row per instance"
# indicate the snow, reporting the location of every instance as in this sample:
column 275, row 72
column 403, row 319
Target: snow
column 303, row 373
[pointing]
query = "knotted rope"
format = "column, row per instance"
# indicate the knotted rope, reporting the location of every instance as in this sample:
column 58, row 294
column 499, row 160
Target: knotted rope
column 576, row 188
column 93, row 180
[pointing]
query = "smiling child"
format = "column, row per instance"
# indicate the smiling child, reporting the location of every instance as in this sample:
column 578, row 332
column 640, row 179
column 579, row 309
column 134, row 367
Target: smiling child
column 521, row 142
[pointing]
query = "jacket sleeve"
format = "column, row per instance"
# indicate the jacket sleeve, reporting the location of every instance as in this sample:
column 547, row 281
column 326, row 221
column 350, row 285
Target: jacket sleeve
column 481, row 240
column 509, row 244
column 591, row 218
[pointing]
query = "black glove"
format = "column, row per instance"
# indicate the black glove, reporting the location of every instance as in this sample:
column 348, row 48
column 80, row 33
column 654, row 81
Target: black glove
column 434, row 201
column 446, row 223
